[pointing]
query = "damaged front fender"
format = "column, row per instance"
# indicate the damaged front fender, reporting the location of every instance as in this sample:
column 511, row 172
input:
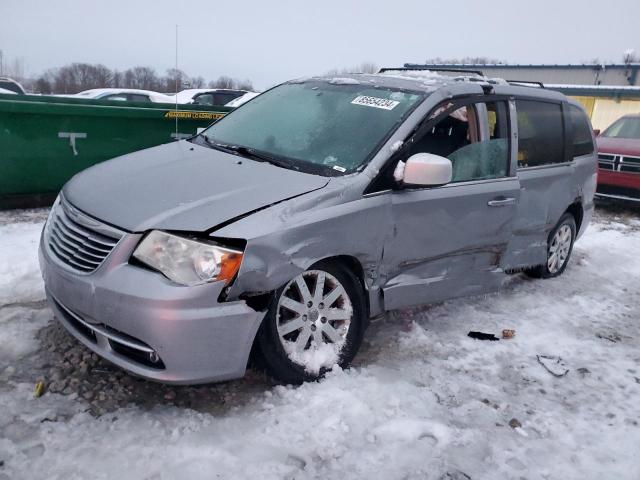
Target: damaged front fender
column 286, row 239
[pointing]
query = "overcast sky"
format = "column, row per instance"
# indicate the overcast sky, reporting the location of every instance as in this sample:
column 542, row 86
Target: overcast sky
column 272, row 41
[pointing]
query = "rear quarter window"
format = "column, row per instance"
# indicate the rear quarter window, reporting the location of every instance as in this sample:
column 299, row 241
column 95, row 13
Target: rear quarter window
column 540, row 133
column 581, row 141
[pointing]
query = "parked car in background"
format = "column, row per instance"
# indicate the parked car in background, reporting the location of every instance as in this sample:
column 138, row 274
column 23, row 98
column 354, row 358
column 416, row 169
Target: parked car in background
column 289, row 223
column 4, row 91
column 125, row 95
column 11, row 85
column 209, row 96
column 619, row 160
column 241, row 100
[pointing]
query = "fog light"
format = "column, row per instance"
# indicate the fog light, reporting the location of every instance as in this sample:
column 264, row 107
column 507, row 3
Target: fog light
column 153, row 357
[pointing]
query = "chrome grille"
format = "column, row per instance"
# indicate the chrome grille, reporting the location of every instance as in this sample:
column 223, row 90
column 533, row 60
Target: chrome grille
column 606, row 161
column 77, row 240
column 630, row 164
column 619, row 163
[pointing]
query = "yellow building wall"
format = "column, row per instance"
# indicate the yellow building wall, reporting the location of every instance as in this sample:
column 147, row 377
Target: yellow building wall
column 587, row 103
column 604, row 111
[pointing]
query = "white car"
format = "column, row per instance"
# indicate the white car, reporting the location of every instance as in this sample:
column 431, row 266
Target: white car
column 9, row 85
column 209, row 96
column 243, row 99
column 124, row 94
column 5, row 91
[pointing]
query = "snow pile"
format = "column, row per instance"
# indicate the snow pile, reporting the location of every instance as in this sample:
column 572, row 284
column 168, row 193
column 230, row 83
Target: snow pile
column 426, row 77
column 20, row 279
column 344, row 81
column 426, row 402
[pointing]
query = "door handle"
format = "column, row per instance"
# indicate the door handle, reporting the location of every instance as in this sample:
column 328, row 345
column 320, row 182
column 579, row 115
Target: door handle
column 501, row 202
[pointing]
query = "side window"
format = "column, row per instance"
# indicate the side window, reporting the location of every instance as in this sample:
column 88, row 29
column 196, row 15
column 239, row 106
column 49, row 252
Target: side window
column 222, row 98
column 204, row 99
column 582, row 141
column 540, row 133
column 137, row 97
column 115, row 96
column 474, row 155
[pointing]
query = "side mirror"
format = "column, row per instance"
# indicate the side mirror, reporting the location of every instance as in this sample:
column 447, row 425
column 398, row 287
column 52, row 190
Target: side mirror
column 596, row 132
column 427, row 169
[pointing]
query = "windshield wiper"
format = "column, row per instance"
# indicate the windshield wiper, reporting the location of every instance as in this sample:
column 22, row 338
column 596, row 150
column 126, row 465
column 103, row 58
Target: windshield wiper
column 253, row 154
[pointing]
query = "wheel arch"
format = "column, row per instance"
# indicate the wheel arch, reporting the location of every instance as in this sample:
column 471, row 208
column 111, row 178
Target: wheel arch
column 577, row 211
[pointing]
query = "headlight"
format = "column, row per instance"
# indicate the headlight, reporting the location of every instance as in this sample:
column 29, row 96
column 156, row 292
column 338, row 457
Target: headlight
column 187, row 261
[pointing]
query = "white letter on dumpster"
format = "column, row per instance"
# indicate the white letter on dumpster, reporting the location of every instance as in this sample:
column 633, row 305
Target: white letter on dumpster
column 72, row 138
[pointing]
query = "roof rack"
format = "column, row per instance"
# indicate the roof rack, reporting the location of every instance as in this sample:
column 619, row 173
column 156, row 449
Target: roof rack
column 527, row 83
column 435, row 69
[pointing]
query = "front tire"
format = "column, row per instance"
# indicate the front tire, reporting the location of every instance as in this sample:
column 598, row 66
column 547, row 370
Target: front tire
column 559, row 248
column 314, row 321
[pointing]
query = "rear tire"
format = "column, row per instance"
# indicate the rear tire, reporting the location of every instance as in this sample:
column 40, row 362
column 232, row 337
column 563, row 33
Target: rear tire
column 559, row 248
column 306, row 332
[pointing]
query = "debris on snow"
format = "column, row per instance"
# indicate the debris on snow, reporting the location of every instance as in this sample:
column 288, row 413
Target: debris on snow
column 553, row 364
column 483, row 336
column 517, row 426
column 40, row 388
column 612, row 337
column 508, row 333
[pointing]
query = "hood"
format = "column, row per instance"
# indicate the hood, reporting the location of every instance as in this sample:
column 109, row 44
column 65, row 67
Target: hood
column 619, row 146
column 182, row 186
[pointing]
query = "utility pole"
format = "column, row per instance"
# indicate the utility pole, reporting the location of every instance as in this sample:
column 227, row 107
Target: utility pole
column 1, row 64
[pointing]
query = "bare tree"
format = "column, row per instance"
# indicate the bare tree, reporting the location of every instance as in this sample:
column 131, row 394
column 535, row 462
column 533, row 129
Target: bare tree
column 174, row 79
column 144, row 78
column 245, row 84
column 364, row 67
column 197, row 82
column 223, row 82
column 76, row 77
column 368, row 67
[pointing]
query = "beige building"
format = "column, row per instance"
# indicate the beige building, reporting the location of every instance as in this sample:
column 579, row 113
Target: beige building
column 607, row 91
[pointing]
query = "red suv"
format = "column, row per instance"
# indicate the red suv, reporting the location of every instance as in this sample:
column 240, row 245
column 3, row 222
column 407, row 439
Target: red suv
column 619, row 160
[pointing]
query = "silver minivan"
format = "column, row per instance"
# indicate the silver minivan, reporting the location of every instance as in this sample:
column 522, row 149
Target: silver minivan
column 283, row 228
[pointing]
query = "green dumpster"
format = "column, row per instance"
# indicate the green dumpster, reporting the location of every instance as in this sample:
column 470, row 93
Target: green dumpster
column 45, row 140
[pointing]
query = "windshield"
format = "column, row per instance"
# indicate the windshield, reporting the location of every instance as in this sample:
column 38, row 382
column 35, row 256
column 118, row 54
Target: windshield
column 317, row 126
column 624, row 128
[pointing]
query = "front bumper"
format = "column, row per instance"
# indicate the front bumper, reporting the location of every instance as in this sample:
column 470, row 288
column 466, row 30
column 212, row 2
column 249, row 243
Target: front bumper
column 618, row 185
column 131, row 316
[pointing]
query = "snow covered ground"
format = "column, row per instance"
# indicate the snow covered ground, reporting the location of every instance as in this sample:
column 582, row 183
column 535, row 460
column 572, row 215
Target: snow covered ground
column 423, row 401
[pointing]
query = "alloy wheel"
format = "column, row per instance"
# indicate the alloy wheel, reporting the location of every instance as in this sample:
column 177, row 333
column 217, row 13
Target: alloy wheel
column 313, row 316
column 559, row 249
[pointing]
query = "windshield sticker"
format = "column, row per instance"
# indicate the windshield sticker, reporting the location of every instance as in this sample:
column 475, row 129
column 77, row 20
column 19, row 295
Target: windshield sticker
column 375, row 102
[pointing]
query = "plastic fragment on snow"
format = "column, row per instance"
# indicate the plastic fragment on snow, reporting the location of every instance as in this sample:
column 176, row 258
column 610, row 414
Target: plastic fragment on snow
column 553, row 364
column 483, row 336
column 40, row 388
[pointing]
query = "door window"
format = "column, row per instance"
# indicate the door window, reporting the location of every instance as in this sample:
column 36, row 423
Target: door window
column 204, row 99
column 540, row 133
column 224, row 98
column 582, row 141
column 137, row 97
column 116, row 96
column 474, row 154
